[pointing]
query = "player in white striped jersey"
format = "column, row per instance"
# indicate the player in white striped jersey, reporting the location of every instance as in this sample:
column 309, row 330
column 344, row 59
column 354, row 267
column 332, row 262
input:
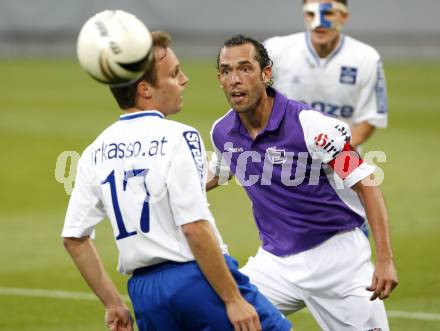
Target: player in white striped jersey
column 334, row 73
column 147, row 175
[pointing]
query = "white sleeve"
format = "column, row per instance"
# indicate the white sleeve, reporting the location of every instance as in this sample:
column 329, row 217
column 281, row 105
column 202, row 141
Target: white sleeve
column 325, row 136
column 85, row 208
column 218, row 165
column 186, row 180
column 328, row 140
column 361, row 172
column 372, row 104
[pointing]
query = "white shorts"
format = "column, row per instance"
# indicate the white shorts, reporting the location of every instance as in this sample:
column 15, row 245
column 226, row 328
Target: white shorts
column 329, row 279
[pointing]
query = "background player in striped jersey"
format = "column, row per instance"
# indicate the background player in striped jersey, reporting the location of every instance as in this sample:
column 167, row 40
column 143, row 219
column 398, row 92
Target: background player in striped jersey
column 334, row 73
column 147, row 175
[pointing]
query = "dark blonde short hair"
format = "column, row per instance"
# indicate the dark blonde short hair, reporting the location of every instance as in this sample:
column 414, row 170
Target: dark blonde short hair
column 126, row 95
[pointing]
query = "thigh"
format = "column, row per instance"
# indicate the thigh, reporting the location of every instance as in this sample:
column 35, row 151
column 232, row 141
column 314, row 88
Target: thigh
column 177, row 299
column 267, row 275
column 198, row 305
column 336, row 291
column 150, row 305
column 352, row 313
column 204, row 310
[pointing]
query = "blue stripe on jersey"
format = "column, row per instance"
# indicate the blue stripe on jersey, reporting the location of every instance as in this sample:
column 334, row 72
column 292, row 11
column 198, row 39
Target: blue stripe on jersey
column 140, row 114
column 195, row 146
column 338, row 49
column 381, row 90
column 311, row 49
column 331, row 56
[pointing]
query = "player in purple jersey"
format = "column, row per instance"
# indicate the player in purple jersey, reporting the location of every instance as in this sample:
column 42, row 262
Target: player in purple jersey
column 310, row 193
column 334, row 73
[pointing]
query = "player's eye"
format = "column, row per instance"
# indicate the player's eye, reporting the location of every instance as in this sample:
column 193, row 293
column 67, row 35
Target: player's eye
column 310, row 14
column 329, row 13
column 175, row 73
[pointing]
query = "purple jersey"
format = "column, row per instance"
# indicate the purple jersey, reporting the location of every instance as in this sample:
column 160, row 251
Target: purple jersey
column 296, row 198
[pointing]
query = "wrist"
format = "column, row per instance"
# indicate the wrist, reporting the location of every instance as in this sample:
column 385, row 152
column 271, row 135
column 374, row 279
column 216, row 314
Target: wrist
column 116, row 304
column 232, row 297
column 389, row 257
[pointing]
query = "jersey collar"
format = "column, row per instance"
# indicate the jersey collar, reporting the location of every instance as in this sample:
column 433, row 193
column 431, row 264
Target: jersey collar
column 141, row 113
column 315, row 55
column 276, row 116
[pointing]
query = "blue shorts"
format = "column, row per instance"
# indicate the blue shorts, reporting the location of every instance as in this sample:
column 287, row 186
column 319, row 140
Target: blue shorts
column 177, row 297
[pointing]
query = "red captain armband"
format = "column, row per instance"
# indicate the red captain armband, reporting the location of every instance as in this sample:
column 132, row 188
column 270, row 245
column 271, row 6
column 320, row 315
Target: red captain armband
column 347, row 161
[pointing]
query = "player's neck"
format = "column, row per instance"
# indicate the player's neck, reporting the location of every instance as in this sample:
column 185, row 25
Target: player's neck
column 324, row 50
column 256, row 119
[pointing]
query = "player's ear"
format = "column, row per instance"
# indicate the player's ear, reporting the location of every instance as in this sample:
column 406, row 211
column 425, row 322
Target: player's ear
column 144, row 89
column 266, row 74
column 218, row 77
column 345, row 17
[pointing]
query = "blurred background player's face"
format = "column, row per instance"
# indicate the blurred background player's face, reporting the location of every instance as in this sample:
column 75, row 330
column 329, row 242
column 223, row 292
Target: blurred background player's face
column 323, row 34
column 240, row 77
column 171, row 82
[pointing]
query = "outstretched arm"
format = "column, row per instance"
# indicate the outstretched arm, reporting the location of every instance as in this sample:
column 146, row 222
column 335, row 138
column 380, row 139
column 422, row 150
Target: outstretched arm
column 384, row 276
column 88, row 262
column 206, row 250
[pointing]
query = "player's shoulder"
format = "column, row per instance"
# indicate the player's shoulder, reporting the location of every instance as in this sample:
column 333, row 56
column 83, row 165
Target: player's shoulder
column 186, row 132
column 179, row 128
column 279, row 44
column 223, row 123
column 361, row 49
column 312, row 120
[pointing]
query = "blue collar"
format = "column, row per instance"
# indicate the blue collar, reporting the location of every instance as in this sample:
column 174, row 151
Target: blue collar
column 142, row 113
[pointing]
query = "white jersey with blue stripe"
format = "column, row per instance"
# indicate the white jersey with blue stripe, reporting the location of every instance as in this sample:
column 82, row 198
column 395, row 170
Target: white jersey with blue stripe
column 349, row 84
column 147, row 175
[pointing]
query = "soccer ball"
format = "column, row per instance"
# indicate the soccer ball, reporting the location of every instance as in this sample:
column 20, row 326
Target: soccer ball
column 114, row 47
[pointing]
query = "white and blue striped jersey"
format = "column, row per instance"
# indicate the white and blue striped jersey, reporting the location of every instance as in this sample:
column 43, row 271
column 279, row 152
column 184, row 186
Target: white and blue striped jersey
column 147, row 174
column 349, row 84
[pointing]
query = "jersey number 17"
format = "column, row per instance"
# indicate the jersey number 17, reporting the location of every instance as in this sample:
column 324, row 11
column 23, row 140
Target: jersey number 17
column 145, row 214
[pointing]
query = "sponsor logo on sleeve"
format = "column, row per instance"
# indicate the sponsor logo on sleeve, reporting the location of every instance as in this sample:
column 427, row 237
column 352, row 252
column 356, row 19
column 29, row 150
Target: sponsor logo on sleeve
column 195, row 146
column 348, row 75
column 323, row 141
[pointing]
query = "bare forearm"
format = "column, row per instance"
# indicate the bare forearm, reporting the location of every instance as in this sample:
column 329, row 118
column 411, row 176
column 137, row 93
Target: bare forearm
column 89, row 264
column 212, row 183
column 374, row 204
column 210, row 259
column 360, row 133
column 384, row 278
